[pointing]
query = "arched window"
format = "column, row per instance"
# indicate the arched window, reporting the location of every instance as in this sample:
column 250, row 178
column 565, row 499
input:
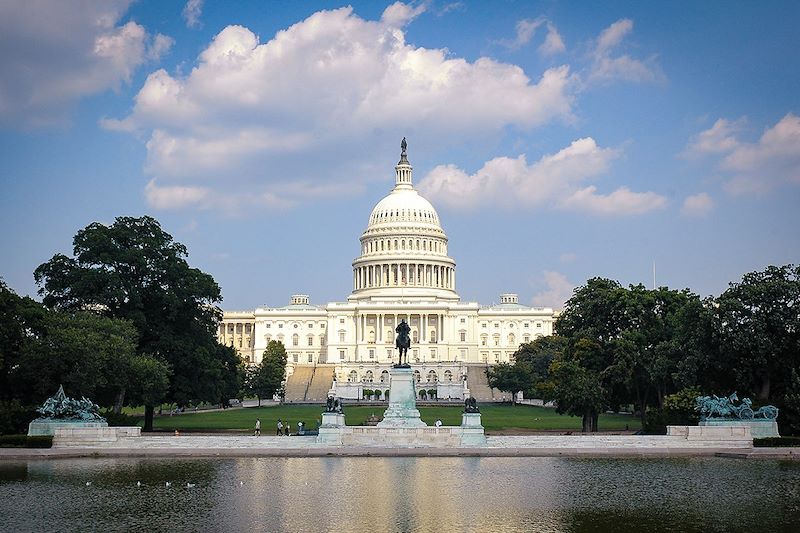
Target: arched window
column 448, row 376
column 295, row 339
column 432, row 377
column 511, row 339
column 384, row 376
column 352, row 377
column 417, row 377
column 414, row 336
column 311, row 340
column 432, row 336
column 368, row 378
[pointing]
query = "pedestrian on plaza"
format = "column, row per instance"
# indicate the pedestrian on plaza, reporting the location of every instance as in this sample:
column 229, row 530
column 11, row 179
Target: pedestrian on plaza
column 258, row 427
column 438, row 423
column 288, row 428
column 280, row 427
column 300, row 428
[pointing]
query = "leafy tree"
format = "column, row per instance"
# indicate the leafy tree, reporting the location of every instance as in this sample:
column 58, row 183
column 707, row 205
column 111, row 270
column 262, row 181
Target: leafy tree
column 134, row 270
column 265, row 380
column 757, row 327
column 149, row 382
column 531, row 368
column 511, row 377
column 577, row 391
column 19, row 320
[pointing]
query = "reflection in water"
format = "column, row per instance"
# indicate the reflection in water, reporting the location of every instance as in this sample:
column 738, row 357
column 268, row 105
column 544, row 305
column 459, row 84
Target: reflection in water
column 400, row 494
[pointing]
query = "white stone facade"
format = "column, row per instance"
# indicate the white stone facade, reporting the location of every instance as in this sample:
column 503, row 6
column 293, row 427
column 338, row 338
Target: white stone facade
column 403, row 272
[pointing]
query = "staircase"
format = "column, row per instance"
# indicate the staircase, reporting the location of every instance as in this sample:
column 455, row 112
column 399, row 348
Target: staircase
column 298, row 382
column 479, row 387
column 321, row 383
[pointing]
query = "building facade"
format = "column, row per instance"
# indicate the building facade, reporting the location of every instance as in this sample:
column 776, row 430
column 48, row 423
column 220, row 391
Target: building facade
column 404, row 272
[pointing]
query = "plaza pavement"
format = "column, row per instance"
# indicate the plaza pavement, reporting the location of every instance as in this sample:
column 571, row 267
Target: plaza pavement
column 497, row 446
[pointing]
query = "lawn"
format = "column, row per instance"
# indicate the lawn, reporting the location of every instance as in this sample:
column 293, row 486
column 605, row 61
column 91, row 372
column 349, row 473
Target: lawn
column 504, row 418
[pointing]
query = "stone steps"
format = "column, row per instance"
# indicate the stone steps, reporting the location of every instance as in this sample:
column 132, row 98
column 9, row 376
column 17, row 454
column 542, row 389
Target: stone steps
column 298, row 382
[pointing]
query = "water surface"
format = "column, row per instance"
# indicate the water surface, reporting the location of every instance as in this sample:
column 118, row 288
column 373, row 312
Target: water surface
column 367, row 495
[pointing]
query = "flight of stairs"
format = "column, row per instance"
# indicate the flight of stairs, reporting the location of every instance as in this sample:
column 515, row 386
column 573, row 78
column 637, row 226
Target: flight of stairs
column 297, row 384
column 321, row 383
column 479, row 387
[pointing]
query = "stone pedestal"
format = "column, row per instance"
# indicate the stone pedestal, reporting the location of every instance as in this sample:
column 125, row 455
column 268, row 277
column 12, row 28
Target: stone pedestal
column 402, row 411
column 332, row 428
column 472, row 430
column 759, row 428
column 45, row 426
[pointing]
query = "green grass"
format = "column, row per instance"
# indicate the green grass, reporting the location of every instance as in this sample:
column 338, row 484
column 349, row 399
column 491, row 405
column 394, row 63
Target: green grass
column 495, row 418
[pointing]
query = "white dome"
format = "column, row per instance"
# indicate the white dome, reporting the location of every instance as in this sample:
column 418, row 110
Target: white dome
column 404, row 205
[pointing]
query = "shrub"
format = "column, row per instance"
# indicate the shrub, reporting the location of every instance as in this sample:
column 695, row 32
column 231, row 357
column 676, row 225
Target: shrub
column 377, row 394
column 120, row 419
column 769, row 442
column 678, row 411
column 24, row 441
column 15, row 417
column 431, row 393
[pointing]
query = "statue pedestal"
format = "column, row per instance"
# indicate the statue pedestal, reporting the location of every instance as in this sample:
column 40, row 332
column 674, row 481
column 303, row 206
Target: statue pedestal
column 472, row 430
column 332, row 428
column 759, row 427
column 402, row 411
column 48, row 426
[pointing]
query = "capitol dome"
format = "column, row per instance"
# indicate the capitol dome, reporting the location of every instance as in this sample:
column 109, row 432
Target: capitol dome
column 404, row 248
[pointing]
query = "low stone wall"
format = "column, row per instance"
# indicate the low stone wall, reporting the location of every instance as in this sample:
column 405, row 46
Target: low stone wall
column 66, row 437
column 42, row 426
column 727, row 433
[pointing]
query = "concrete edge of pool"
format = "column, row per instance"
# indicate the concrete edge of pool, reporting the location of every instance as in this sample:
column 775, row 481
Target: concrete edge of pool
column 618, row 452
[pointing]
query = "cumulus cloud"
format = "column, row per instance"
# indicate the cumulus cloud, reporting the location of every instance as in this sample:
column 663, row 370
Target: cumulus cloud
column 251, row 112
column 608, row 66
column 53, row 53
column 191, row 13
column 559, row 290
column 697, row 204
column 748, row 167
column 525, row 31
column 554, row 179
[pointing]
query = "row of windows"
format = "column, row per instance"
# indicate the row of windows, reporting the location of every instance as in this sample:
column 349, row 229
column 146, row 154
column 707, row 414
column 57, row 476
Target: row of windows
column 485, row 325
column 296, row 326
column 384, row 245
column 369, row 377
column 381, row 216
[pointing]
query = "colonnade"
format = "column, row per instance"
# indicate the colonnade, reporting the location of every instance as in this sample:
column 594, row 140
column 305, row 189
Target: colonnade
column 404, row 274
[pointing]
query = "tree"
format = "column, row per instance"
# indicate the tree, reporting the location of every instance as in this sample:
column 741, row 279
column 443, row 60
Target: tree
column 757, row 327
column 510, row 378
column 265, row 380
column 134, row 270
column 531, row 368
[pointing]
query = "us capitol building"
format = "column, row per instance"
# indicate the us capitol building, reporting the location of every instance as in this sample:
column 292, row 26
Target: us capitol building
column 404, row 272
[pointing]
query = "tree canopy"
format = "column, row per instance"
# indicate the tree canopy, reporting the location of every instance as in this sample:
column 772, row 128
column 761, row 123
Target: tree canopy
column 134, row 270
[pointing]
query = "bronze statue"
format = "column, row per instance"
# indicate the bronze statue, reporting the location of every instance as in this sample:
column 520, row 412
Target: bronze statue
column 403, row 342
column 471, row 405
column 403, row 146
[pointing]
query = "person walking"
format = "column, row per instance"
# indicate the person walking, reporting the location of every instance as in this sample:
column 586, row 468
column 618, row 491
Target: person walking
column 288, row 429
column 258, row 427
column 280, row 428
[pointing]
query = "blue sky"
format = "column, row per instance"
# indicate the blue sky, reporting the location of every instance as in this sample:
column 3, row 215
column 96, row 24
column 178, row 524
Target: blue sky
column 558, row 140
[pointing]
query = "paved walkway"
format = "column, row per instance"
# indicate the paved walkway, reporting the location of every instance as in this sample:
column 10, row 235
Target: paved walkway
column 498, row 446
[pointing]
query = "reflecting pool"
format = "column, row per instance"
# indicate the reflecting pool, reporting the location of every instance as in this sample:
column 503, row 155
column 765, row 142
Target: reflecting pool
column 366, row 495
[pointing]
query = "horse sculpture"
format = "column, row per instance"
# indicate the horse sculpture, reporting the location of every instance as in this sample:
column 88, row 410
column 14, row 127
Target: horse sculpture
column 403, row 342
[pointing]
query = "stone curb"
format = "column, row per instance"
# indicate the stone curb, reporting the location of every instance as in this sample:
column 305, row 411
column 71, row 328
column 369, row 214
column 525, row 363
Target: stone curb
column 10, row 454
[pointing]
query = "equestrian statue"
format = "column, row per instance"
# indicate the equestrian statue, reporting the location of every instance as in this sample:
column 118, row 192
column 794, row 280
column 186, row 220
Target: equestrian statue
column 403, row 343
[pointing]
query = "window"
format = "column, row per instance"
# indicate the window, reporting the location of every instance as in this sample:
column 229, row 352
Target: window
column 483, row 325
column 311, row 358
column 368, row 377
column 294, row 357
column 417, row 377
column 526, row 325
column 341, row 336
column 295, row 339
column 448, row 376
column 280, row 326
column 240, row 343
column 538, row 324
column 484, row 340
column 463, row 354
column 433, row 353
column 384, row 377
column 341, row 321
column 310, row 325
column 341, row 355
column 295, row 326
column 311, row 340
column 269, row 325
column 526, row 338
column 496, row 339
column 352, row 377
column 389, row 353
column 463, row 320
column 463, row 336
column 432, row 377
column 414, row 336
column 372, row 354
column 497, row 325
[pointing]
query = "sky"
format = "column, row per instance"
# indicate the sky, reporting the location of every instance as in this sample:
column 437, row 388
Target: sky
column 558, row 141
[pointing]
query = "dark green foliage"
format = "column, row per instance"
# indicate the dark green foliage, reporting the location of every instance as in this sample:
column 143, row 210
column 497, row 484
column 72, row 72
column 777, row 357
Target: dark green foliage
column 133, row 270
column 15, row 417
column 25, row 441
column 531, row 368
column 120, row 419
column 678, row 410
column 266, row 379
column 771, row 442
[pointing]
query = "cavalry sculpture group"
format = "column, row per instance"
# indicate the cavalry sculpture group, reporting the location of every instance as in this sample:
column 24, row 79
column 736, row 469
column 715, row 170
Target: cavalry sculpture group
column 715, row 407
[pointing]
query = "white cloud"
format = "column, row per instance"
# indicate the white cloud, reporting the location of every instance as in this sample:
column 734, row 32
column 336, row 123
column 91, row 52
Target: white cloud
column 558, row 291
column 525, row 31
column 251, row 112
column 623, row 201
column 553, row 43
column 567, row 257
column 191, row 13
column 749, row 167
column 53, row 53
column 552, row 180
column 697, row 204
column 607, row 67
